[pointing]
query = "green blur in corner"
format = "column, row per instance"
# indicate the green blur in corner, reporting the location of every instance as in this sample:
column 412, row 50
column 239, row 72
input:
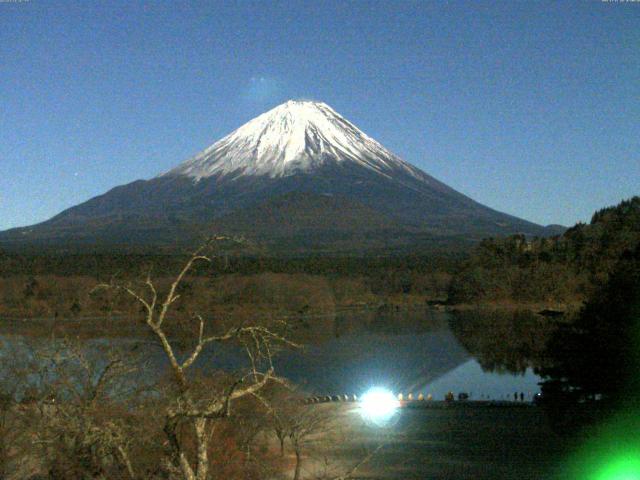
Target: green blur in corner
column 625, row 466
column 611, row 451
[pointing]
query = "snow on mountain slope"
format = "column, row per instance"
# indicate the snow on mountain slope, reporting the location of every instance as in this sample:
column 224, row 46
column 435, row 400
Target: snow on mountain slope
column 299, row 171
column 296, row 136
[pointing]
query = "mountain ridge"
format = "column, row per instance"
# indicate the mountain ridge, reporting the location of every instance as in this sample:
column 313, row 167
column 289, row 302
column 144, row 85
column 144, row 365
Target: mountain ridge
column 298, row 151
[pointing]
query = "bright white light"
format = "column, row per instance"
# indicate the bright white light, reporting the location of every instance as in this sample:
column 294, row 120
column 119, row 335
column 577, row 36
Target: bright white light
column 378, row 405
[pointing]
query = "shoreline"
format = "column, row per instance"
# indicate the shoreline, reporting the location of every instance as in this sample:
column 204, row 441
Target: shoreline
column 120, row 324
column 409, row 304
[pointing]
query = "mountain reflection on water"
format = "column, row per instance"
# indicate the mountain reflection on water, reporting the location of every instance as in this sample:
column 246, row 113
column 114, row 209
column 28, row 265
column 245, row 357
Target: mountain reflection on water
column 504, row 342
column 488, row 355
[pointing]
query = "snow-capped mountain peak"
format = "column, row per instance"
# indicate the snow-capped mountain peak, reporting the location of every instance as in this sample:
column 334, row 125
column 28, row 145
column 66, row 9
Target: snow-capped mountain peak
column 296, row 136
column 298, row 178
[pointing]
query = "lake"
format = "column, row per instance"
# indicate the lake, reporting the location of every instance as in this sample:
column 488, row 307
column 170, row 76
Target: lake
column 488, row 356
column 409, row 352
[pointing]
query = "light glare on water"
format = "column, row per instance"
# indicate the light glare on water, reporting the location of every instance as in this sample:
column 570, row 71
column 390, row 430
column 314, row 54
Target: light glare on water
column 378, row 406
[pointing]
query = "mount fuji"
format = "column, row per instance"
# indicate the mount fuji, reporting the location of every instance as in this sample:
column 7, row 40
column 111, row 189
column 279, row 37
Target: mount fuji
column 299, row 177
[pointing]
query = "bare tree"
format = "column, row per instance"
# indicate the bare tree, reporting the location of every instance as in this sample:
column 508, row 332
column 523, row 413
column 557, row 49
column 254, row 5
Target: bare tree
column 190, row 405
column 304, row 423
column 10, row 379
column 74, row 410
column 293, row 420
column 313, row 431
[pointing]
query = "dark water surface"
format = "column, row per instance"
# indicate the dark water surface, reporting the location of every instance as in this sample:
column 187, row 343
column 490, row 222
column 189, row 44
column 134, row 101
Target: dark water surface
column 417, row 351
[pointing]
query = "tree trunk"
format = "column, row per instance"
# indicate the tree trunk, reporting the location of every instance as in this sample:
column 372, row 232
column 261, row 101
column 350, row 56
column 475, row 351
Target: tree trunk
column 187, row 471
column 202, row 467
column 179, row 456
column 127, row 462
column 296, row 474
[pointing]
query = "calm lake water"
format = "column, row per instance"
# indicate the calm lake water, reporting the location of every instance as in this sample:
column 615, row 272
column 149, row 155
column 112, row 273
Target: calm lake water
column 420, row 354
column 417, row 351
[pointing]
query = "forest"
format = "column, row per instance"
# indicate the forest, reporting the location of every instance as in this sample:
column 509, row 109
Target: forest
column 47, row 285
column 561, row 269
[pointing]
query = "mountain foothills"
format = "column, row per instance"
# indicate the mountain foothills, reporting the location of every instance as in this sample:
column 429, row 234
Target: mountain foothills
column 561, row 271
column 569, row 267
column 297, row 178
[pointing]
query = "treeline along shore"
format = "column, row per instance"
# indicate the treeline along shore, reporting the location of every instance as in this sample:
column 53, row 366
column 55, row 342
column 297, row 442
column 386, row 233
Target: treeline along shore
column 62, row 286
column 567, row 268
column 515, row 271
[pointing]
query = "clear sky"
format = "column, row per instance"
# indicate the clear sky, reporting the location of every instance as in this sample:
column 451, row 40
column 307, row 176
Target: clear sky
column 529, row 108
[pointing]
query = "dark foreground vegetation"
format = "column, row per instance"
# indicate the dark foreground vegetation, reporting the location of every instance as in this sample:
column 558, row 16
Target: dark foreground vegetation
column 74, row 411
column 594, row 360
column 565, row 269
column 590, row 359
column 69, row 413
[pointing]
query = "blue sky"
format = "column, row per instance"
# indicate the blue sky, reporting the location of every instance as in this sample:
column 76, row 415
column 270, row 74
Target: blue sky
column 529, row 108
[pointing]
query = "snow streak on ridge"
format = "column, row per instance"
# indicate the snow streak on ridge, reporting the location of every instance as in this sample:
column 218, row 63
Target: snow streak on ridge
column 296, row 136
